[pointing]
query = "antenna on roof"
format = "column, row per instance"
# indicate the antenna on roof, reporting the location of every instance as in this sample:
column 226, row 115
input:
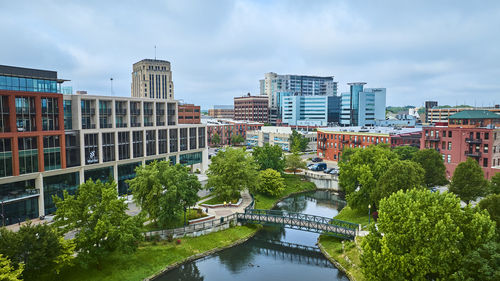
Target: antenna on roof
column 155, row 52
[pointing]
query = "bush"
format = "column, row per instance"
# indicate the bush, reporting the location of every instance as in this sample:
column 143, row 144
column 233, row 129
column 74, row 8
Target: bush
column 270, row 183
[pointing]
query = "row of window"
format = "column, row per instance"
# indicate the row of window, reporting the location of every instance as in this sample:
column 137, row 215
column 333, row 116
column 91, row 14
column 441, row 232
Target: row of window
column 27, row 84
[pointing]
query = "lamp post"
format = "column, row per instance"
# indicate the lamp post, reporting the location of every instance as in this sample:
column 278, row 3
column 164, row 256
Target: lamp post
column 369, row 213
column 184, row 215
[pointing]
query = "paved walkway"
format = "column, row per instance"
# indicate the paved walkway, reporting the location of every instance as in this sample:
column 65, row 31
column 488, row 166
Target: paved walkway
column 226, row 211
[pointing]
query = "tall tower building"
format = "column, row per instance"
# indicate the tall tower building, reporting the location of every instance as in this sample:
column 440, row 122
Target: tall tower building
column 152, row 79
column 362, row 106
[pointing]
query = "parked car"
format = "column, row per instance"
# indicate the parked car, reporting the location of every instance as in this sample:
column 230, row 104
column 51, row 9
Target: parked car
column 318, row 167
column 317, row 159
column 334, row 171
column 310, row 165
column 327, row 171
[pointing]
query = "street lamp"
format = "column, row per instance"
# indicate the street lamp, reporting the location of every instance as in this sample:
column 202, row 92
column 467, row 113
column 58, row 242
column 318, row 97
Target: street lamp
column 369, row 212
column 184, row 215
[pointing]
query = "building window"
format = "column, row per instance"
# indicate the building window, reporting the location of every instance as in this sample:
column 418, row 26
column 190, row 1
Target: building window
column 108, row 147
column 485, row 162
column 192, row 138
column 443, row 145
column 486, row 136
column 173, row 140
column 123, row 145
column 201, row 137
column 150, row 143
column 126, row 172
column 102, row 174
column 449, row 134
column 449, row 158
column 162, row 142
column 68, row 117
column 449, row 145
column 485, row 148
column 50, row 114
column 25, row 114
column 91, row 146
column 56, row 185
column 51, row 153
column 5, row 158
column 28, row 155
column 190, row 158
column 137, row 144
column 183, row 139
column 72, row 150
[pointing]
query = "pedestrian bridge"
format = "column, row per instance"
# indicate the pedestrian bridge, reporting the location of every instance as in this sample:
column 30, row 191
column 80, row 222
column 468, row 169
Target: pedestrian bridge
column 311, row 223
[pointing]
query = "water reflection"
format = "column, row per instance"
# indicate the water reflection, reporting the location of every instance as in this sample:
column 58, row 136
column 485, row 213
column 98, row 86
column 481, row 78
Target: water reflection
column 272, row 254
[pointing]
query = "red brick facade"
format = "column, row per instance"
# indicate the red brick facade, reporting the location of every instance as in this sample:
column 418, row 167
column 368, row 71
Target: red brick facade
column 189, row 114
column 331, row 144
column 251, row 108
column 226, row 131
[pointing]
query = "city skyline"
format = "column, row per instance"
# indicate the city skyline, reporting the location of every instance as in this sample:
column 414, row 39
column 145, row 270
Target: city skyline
column 418, row 51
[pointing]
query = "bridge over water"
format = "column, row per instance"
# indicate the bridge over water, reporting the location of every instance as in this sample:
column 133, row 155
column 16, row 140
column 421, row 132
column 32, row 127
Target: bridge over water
column 292, row 252
column 305, row 222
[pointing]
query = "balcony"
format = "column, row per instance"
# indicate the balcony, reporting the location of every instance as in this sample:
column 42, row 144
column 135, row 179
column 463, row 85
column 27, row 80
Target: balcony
column 432, row 138
column 473, row 141
column 476, row 154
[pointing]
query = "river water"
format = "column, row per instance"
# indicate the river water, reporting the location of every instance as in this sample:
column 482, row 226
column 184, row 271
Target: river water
column 272, row 254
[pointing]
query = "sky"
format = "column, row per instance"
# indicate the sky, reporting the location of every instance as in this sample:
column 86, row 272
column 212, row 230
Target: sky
column 448, row 51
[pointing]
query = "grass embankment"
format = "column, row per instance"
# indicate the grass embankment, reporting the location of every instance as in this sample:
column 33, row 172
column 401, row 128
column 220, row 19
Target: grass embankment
column 349, row 257
column 293, row 184
column 191, row 214
column 153, row 257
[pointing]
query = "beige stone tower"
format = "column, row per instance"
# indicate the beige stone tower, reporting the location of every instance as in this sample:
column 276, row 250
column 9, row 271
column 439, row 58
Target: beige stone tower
column 152, row 79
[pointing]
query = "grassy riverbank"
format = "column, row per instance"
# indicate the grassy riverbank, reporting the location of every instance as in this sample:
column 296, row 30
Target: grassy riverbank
column 152, row 257
column 349, row 256
column 293, row 184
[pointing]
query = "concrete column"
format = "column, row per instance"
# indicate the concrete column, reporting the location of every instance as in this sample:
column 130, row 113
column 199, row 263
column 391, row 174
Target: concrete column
column 115, row 175
column 82, row 175
column 99, row 146
column 39, row 186
column 204, row 160
column 157, row 141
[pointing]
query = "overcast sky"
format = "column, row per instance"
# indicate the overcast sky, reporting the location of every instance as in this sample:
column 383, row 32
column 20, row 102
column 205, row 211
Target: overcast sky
column 419, row 50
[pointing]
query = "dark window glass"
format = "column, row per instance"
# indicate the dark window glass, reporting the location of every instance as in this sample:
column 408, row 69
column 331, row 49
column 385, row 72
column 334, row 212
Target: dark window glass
column 91, row 149
column 137, row 143
column 108, row 147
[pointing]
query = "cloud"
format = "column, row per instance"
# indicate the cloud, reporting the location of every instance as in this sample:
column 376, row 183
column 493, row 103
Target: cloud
column 418, row 50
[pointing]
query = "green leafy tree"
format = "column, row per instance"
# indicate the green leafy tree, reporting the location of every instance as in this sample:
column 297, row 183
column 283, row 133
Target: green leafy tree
column 269, row 157
column 164, row 191
column 492, row 205
column 347, row 152
column 294, row 162
column 432, row 162
column 270, row 183
column 216, row 139
column 358, row 177
column 237, row 139
column 100, row 220
column 7, row 270
column 425, row 236
column 495, row 184
column 481, row 264
column 298, row 142
column 40, row 248
column 468, row 181
column 405, row 152
column 231, row 171
column 401, row 175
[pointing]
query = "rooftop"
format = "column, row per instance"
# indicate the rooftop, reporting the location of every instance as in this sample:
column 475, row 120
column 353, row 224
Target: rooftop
column 29, row 73
column 227, row 121
column 475, row 114
column 370, row 130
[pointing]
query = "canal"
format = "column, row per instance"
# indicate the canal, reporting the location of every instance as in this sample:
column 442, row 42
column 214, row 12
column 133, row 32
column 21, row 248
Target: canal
column 274, row 253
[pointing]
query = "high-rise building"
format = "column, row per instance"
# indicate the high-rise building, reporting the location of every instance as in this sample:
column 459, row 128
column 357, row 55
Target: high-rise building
column 429, row 105
column 251, row 108
column 152, row 79
column 310, row 110
column 300, row 85
column 361, row 107
column 50, row 142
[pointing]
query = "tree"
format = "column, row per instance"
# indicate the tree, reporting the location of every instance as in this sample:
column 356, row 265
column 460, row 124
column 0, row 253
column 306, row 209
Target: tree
column 164, row 191
column 7, row 270
column 405, row 152
column 468, row 181
column 492, row 205
column 401, row 175
column 432, row 162
column 270, row 183
column 231, row 171
column 298, row 142
column 294, row 162
column 347, row 152
column 425, row 236
column 99, row 218
column 495, row 184
column 237, row 139
column 481, row 264
column 40, row 248
column 358, row 177
column 269, row 157
column 216, row 139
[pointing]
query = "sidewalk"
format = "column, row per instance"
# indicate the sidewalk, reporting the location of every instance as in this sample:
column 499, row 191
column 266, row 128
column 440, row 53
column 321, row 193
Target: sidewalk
column 226, row 211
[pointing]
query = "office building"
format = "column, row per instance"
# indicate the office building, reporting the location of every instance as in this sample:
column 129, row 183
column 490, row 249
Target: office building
column 429, row 105
column 279, row 136
column 440, row 115
column 361, row 107
column 189, row 114
column 52, row 142
column 310, row 110
column 302, row 85
column 222, row 111
column 152, row 79
column 469, row 133
column 332, row 141
column 227, row 128
column 251, row 108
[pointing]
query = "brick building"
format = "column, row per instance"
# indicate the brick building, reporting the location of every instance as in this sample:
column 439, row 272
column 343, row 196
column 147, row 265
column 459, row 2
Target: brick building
column 408, row 139
column 470, row 133
column 189, row 114
column 222, row 111
column 251, row 108
column 331, row 141
column 226, row 128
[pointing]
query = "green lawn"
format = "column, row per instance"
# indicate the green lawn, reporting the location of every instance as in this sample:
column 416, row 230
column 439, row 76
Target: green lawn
column 153, row 257
column 334, row 245
column 293, row 184
column 177, row 222
column 217, row 200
